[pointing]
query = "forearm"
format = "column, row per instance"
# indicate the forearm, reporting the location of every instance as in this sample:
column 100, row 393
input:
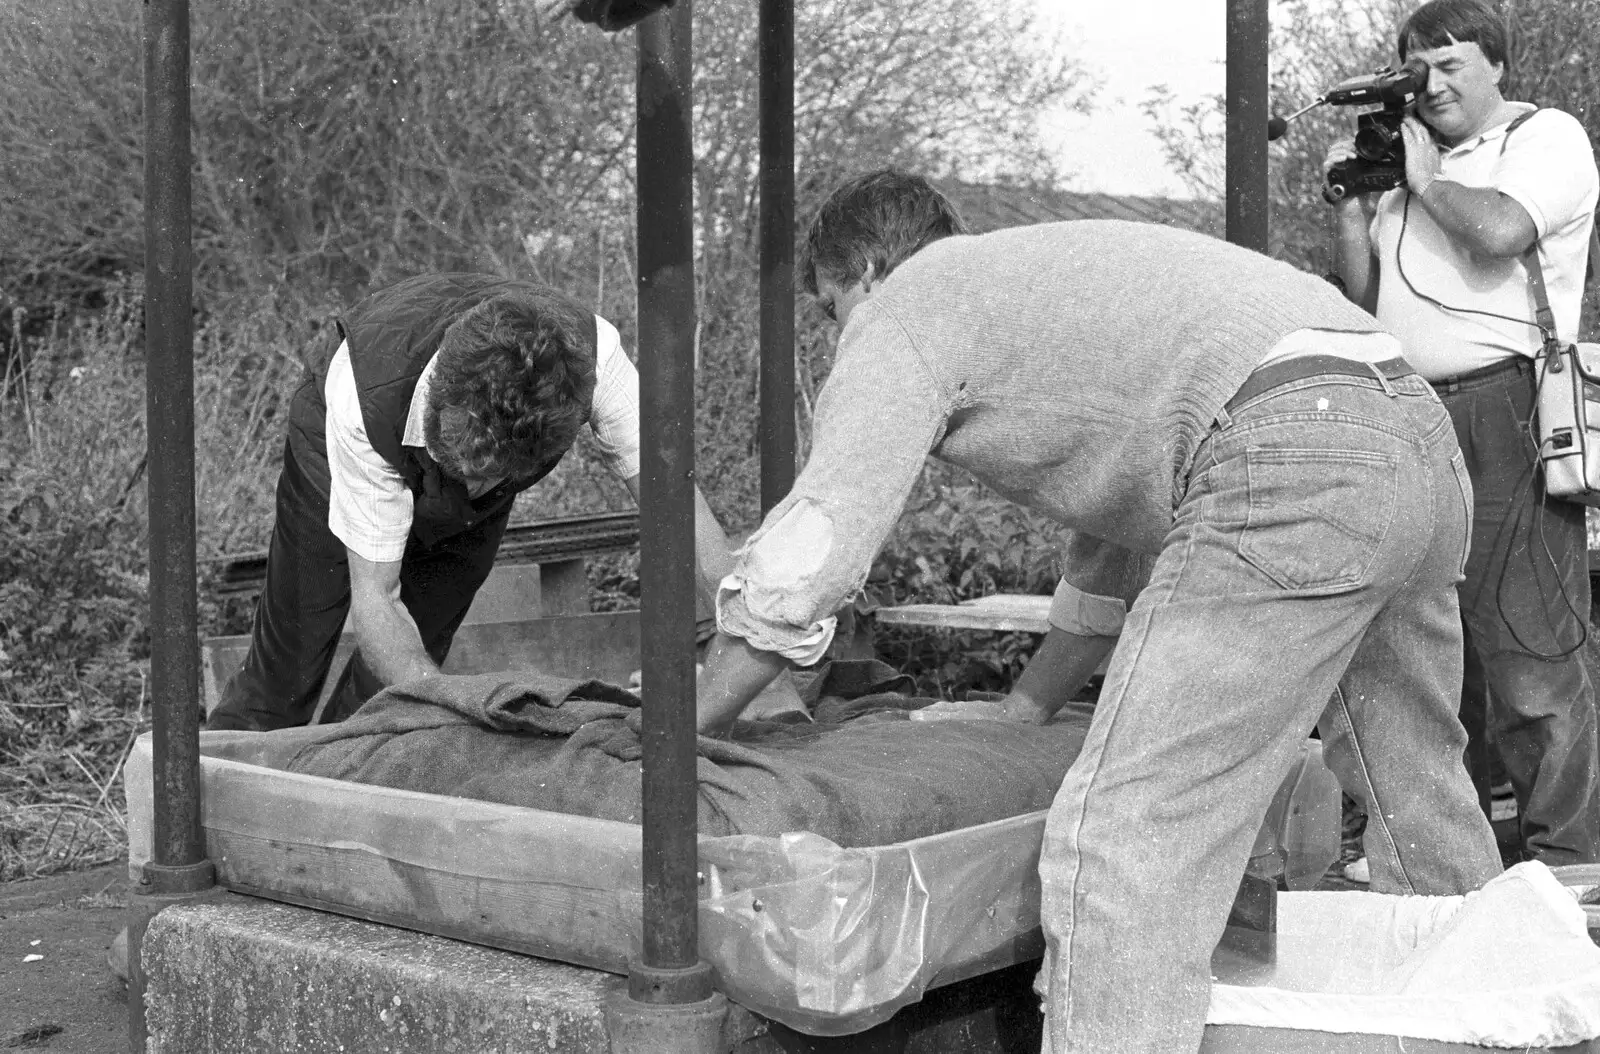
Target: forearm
column 735, row 673
column 1353, row 254
column 1063, row 664
column 1481, row 219
column 390, row 644
column 712, row 557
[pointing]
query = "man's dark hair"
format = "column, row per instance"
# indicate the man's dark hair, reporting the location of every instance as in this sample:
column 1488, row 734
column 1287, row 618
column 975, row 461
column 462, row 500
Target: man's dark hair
column 1438, row 23
column 511, row 382
column 880, row 219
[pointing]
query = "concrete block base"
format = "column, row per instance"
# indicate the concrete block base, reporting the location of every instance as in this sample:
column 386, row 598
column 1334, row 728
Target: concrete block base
column 244, row 975
column 239, row 975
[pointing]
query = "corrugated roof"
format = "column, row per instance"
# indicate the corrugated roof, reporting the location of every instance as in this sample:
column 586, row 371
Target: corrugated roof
column 988, row 207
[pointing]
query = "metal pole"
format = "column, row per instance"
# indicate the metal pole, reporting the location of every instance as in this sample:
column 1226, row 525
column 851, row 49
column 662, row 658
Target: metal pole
column 777, row 427
column 169, row 408
column 178, row 867
column 1247, row 119
column 670, row 971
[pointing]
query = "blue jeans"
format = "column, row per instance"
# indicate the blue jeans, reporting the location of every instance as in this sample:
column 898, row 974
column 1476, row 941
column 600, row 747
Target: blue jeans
column 1314, row 555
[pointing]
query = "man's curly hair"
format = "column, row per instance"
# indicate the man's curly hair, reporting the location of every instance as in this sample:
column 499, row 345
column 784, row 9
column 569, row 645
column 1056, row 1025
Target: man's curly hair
column 511, row 383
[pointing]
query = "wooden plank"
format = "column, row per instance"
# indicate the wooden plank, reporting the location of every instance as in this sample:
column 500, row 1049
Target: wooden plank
column 563, row 588
column 1002, row 612
column 550, row 884
column 603, row 646
column 511, row 592
column 554, row 540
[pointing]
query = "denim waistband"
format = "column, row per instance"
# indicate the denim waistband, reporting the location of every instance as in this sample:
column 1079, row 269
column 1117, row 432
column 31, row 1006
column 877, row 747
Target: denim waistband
column 1499, row 373
column 1276, row 374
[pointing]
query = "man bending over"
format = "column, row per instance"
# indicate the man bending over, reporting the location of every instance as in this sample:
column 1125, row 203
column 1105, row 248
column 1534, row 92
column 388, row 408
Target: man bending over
column 1300, row 489
column 448, row 396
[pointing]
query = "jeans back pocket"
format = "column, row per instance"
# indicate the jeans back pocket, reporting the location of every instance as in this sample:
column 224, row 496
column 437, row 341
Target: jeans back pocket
column 1317, row 518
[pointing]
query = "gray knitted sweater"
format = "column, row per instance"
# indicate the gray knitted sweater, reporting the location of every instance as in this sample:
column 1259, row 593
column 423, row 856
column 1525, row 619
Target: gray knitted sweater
column 1074, row 367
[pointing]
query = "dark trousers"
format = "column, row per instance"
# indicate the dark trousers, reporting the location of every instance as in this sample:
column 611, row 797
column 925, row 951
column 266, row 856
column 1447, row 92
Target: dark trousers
column 1525, row 609
column 306, row 596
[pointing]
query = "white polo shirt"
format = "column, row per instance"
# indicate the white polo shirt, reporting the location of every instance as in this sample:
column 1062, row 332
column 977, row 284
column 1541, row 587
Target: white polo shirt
column 1547, row 166
column 369, row 504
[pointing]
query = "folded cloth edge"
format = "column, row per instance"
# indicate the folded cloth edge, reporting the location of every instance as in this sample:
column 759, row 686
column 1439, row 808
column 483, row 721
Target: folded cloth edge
column 1561, row 1013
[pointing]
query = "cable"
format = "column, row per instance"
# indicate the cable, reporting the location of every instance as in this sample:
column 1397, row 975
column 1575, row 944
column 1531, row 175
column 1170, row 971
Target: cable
column 1536, row 501
column 1399, row 245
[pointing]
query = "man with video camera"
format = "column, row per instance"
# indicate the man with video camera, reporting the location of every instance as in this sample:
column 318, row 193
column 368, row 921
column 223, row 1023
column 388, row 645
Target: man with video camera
column 1440, row 260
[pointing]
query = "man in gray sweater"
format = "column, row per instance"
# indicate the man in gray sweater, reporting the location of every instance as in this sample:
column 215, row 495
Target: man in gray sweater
column 1167, row 394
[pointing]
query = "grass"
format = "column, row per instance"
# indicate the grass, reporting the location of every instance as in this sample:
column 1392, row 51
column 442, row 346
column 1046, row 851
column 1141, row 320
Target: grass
column 52, row 821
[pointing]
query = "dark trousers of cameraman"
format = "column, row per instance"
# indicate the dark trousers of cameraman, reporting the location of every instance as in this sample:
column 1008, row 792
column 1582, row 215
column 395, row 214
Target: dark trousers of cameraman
column 1525, row 609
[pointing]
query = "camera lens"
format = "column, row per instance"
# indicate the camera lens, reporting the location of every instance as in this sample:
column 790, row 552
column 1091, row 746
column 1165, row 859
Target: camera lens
column 1377, row 142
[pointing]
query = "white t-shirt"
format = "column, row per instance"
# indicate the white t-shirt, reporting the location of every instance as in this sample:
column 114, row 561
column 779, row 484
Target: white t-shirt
column 1547, row 166
column 369, row 504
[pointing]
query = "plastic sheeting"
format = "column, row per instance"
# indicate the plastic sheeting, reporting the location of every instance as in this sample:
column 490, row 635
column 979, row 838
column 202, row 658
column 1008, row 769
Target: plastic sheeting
column 832, row 941
column 825, row 939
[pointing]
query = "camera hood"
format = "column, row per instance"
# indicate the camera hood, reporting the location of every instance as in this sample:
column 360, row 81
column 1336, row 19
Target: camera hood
column 1387, row 87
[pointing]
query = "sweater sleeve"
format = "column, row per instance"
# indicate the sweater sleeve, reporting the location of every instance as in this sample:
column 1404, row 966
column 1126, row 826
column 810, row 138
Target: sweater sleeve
column 880, row 413
column 1098, row 585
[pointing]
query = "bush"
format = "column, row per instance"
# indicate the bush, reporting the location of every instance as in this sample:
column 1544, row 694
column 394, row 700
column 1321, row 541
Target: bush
column 72, row 585
column 957, row 541
column 74, row 652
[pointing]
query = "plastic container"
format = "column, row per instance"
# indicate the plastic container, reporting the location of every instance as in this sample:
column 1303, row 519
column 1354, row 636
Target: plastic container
column 1299, row 836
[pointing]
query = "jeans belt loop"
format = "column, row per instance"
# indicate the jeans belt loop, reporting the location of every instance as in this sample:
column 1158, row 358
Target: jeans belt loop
column 1388, row 389
column 1223, row 420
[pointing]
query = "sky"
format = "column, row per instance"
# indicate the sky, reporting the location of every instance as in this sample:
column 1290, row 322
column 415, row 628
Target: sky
column 1131, row 45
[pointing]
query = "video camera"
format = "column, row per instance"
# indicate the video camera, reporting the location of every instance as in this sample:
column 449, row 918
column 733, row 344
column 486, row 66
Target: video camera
column 1380, row 161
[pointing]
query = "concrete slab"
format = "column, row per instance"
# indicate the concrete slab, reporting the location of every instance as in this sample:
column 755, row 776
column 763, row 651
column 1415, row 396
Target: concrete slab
column 237, row 975
column 240, row 974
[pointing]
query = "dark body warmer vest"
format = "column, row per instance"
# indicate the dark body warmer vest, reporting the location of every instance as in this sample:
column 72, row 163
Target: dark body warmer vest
column 392, row 335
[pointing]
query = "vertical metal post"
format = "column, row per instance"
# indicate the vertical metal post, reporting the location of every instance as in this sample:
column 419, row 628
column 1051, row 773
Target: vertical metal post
column 1248, row 35
column 178, row 867
column 169, row 409
column 777, row 426
column 670, row 971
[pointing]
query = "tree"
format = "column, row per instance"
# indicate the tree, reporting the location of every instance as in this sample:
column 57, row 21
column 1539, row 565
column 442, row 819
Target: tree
column 340, row 147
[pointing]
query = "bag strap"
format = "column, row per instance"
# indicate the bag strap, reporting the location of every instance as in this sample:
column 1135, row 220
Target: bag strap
column 1544, row 318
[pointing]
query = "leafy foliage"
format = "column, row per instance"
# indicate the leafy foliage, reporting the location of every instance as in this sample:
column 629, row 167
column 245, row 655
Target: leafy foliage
column 956, row 541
